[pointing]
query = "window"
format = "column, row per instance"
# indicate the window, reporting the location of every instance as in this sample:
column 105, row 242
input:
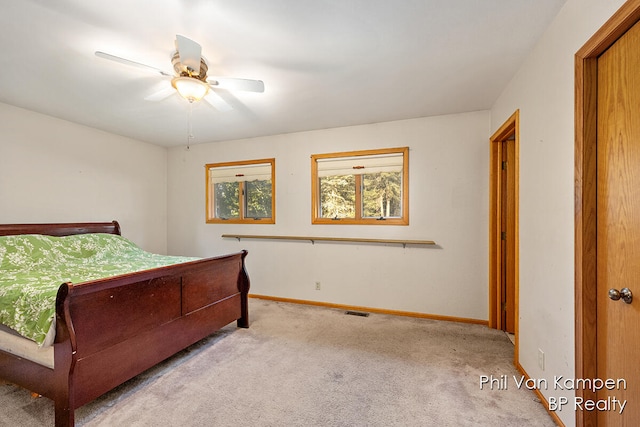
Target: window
column 241, row 192
column 361, row 187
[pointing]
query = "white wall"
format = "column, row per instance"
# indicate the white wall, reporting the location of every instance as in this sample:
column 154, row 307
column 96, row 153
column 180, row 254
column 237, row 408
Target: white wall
column 448, row 182
column 56, row 171
column 543, row 90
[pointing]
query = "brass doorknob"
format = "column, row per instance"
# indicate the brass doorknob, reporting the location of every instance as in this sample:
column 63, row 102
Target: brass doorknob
column 624, row 293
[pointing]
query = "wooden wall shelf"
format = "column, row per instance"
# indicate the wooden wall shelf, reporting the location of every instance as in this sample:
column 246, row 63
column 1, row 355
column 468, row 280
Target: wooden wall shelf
column 313, row 239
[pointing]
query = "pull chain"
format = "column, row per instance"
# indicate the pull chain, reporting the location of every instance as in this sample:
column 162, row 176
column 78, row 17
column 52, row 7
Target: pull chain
column 189, row 125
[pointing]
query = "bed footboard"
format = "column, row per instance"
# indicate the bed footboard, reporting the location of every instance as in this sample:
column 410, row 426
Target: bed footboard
column 110, row 330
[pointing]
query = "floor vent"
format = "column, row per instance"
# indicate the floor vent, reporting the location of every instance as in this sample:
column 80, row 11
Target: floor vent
column 357, row 313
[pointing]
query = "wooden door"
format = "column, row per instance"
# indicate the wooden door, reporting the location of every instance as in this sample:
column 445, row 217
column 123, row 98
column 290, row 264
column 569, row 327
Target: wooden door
column 507, row 280
column 503, row 228
column 618, row 228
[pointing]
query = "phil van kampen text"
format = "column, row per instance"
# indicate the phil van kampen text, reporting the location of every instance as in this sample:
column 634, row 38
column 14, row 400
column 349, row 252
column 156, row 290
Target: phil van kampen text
column 608, row 403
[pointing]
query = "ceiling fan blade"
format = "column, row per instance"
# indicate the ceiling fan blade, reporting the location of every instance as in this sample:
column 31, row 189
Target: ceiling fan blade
column 237, row 84
column 217, row 101
column 110, row 57
column 161, row 94
column 190, row 53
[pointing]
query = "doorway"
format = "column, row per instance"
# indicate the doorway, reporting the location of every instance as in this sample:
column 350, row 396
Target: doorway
column 607, row 214
column 503, row 228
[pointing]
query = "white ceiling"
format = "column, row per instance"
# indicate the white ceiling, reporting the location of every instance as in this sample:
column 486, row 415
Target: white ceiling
column 324, row 63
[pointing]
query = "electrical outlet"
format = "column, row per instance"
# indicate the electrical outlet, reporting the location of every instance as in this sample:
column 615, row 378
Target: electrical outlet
column 541, row 359
column 317, row 286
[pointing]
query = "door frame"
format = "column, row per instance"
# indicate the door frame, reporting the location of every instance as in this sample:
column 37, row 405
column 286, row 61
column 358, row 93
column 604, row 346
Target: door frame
column 510, row 130
column 586, row 87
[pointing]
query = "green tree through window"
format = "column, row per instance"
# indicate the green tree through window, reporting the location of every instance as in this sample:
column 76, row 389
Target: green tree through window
column 382, row 195
column 258, row 199
column 338, row 196
column 227, row 200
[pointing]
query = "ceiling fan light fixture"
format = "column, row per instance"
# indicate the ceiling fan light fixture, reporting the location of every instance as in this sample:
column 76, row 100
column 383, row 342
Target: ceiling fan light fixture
column 190, row 88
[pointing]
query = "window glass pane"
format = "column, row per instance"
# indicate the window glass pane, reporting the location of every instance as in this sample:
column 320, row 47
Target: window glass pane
column 226, row 198
column 338, row 196
column 382, row 195
column 258, row 199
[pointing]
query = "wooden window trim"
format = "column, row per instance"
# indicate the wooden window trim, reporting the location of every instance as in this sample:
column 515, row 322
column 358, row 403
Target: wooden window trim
column 315, row 188
column 210, row 209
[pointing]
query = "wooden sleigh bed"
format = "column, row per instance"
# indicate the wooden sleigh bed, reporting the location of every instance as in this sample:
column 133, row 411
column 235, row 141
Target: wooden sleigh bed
column 107, row 331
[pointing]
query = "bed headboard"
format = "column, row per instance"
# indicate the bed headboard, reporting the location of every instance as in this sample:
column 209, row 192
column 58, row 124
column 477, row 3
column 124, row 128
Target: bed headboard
column 61, row 229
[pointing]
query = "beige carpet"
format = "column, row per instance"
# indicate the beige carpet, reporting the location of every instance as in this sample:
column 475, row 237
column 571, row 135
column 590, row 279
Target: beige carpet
column 310, row 366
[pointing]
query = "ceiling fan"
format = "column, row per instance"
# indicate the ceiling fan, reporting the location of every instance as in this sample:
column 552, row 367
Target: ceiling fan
column 190, row 78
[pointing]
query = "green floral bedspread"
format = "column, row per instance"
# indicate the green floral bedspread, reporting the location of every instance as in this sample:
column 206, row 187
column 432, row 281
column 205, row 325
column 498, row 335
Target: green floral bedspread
column 32, row 268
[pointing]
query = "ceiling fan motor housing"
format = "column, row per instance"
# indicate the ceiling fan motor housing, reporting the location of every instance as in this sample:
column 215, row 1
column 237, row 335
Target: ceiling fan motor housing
column 184, row 71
